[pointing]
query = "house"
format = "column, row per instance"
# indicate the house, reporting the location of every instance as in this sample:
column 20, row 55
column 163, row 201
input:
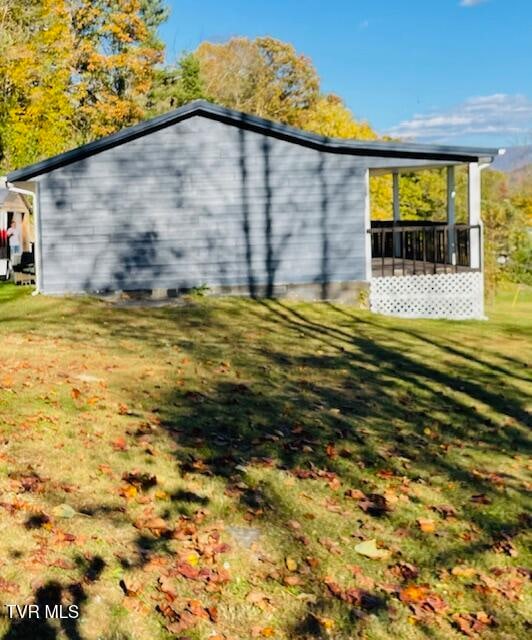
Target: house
column 205, row 195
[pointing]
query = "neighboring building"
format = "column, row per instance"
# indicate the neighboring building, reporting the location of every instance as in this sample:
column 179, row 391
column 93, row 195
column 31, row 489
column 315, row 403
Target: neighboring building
column 14, row 208
column 205, row 195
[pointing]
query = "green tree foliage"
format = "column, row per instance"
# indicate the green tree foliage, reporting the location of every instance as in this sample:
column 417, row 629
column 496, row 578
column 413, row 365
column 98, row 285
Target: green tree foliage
column 175, row 86
column 423, row 195
column 506, row 217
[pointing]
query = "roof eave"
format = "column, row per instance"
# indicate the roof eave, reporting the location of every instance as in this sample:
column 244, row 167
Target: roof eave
column 259, row 125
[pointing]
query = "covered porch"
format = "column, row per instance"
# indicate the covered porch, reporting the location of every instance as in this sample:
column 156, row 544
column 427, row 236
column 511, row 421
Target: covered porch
column 419, row 247
column 431, row 267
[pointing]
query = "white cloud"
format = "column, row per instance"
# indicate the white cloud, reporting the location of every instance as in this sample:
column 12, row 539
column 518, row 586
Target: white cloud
column 498, row 115
column 471, row 3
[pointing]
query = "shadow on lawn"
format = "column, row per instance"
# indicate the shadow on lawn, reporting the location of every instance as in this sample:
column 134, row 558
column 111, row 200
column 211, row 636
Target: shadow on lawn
column 49, row 598
column 356, row 382
column 376, row 395
column 59, row 602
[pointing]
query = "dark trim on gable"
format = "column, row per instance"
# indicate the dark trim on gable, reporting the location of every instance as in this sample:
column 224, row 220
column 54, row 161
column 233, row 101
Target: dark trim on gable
column 258, row 125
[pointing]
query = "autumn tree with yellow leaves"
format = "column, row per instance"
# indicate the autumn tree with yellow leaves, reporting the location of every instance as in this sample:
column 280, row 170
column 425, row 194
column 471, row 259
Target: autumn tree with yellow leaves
column 72, row 71
column 115, row 54
column 36, row 105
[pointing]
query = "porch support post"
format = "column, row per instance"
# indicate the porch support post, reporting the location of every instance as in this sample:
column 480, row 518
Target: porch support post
column 451, row 195
column 473, row 201
column 367, row 227
column 396, row 215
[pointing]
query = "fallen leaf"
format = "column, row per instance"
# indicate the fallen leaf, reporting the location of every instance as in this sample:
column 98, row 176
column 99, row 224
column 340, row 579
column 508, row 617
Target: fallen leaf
column 187, row 571
column 413, row 593
column 330, row 450
column 463, row 572
column 119, row 444
column 506, row 546
column 167, row 586
column 128, row 491
column 472, row 624
column 140, row 480
column 327, row 623
column 446, row 511
column 157, row 526
column 197, row 609
column 259, row 599
column 291, row 564
column 356, row 494
column 375, row 504
column 426, row 525
column 64, row 511
column 131, row 586
column 369, row 549
column 330, row 545
column 6, row 586
column 212, row 612
column 405, row 571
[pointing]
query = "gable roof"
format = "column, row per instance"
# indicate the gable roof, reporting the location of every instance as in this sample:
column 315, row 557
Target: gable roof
column 259, row 125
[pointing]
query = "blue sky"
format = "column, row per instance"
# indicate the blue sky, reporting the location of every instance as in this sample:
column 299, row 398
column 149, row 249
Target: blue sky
column 456, row 71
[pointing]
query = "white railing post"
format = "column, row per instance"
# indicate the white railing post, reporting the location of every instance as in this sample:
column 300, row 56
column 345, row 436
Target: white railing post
column 473, row 201
column 451, row 195
column 396, row 238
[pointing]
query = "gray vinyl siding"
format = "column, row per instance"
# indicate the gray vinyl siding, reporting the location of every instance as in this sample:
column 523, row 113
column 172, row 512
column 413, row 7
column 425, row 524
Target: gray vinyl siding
column 202, row 202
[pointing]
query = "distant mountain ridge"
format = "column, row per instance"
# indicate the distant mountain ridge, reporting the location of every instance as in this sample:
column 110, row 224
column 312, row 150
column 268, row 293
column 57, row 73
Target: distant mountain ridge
column 514, row 158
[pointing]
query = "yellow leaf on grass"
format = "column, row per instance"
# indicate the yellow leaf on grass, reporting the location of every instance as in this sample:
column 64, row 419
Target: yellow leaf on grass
column 369, row 549
column 327, row 623
column 463, row 571
column 426, row 525
column 291, row 564
column 128, row 491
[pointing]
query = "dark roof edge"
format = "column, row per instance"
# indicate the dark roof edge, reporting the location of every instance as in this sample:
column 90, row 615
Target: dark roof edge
column 259, row 125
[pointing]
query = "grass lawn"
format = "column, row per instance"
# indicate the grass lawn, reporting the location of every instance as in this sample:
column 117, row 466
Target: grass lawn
column 213, row 470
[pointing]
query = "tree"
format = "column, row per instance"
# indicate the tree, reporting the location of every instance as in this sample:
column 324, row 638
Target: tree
column 35, row 67
column 72, row 71
column 330, row 117
column 505, row 215
column 175, row 86
column 264, row 76
column 116, row 51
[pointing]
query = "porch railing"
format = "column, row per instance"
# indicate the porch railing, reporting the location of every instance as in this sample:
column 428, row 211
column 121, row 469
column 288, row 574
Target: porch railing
column 411, row 247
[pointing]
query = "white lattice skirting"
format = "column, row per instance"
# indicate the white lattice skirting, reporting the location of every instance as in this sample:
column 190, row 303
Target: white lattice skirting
column 453, row 296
